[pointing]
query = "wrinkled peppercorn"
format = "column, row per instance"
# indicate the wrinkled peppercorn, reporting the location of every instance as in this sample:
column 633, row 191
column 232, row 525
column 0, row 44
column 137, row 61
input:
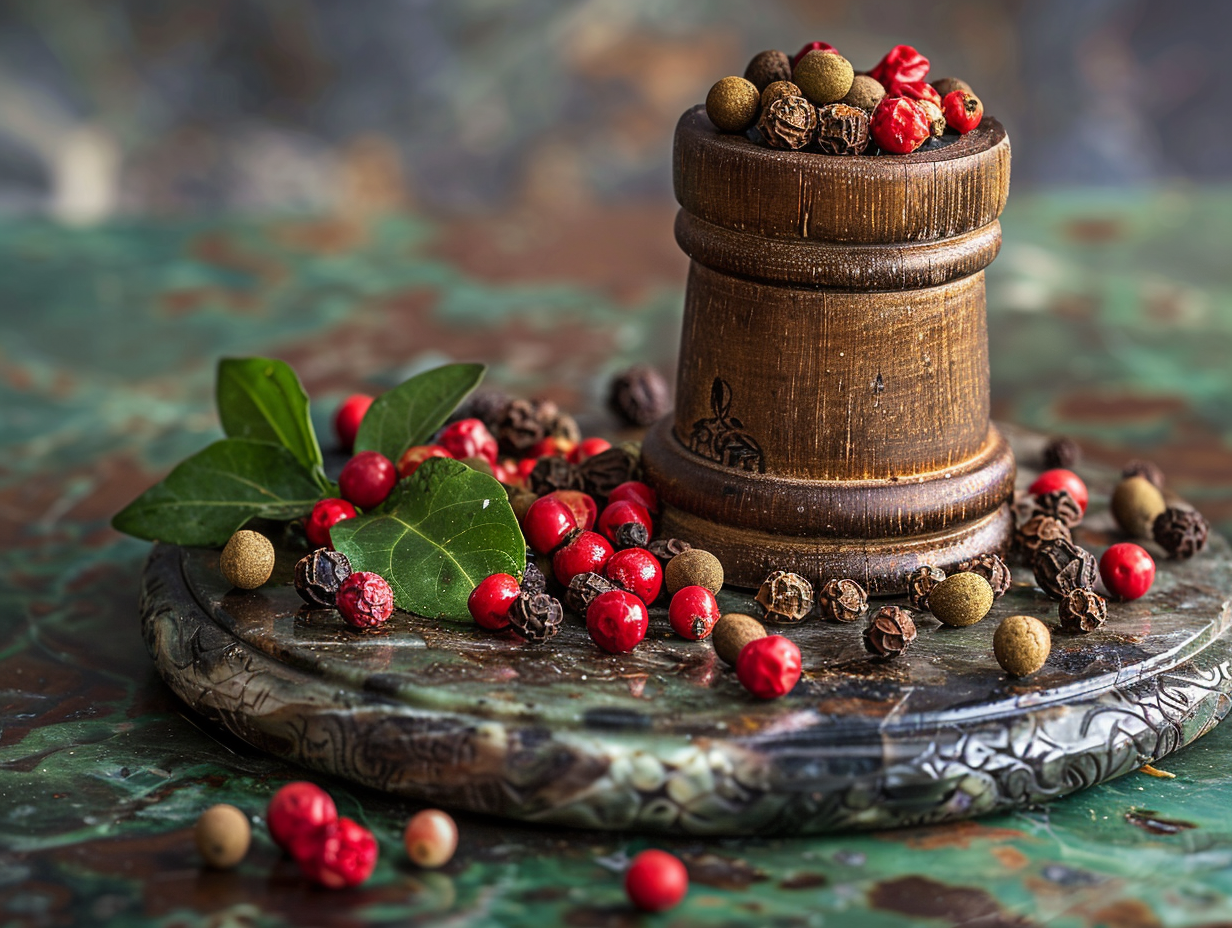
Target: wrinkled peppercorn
column 842, row 129
column 889, row 632
column 789, row 123
column 1082, row 611
column 1060, row 505
column 1061, row 566
column 992, row 569
column 1148, row 469
column 553, row 473
column 842, row 600
column 1061, row 452
column 1038, row 530
column 920, row 583
column 1180, row 532
column 785, row 596
column 640, row 396
column 604, row 472
column 583, row 588
column 536, row 616
column 667, row 548
column 319, row 574
column 631, row 535
column 533, row 580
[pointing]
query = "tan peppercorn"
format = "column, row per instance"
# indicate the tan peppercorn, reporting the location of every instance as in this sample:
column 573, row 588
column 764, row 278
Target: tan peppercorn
column 732, row 104
column 960, row 599
column 248, row 560
column 865, row 93
column 223, row 835
column 694, row 567
column 824, row 77
column 777, row 91
column 1022, row 644
column 1136, row 504
column 732, row 632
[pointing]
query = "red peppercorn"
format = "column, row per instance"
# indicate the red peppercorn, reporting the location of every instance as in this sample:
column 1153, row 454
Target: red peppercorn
column 547, row 523
column 584, row 507
column 468, row 438
column 656, row 881
column 812, row 47
column 963, row 110
column 617, row 621
column 1127, row 570
column 620, row 513
column 489, row 602
column 902, row 63
column 693, row 612
column 769, row 667
column 295, row 813
column 348, row 417
column 325, row 515
column 415, row 455
column 367, row 478
column 365, row 599
column 636, row 492
column 1061, row 479
column 342, row 854
column 637, row 571
column 584, row 553
column 588, row 448
column 552, row 447
column 899, row 125
column 918, row 90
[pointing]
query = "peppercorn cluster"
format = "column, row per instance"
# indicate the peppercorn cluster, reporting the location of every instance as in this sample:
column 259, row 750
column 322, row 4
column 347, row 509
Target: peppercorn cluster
column 816, row 101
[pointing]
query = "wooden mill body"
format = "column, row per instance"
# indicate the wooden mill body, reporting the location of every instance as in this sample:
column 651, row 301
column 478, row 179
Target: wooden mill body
column 832, row 408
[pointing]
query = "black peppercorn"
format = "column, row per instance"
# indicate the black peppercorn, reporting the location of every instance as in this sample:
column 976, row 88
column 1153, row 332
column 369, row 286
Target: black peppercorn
column 842, row 600
column 1061, row 452
column 889, row 632
column 1148, row 469
column 583, row 588
column 553, row 473
column 319, row 574
column 1180, row 532
column 640, row 396
column 1061, row 566
column 992, row 569
column 533, row 580
column 601, row 474
column 1083, row 611
column 536, row 616
column 1038, row 530
column 1061, row 505
column 920, row 583
column 667, row 548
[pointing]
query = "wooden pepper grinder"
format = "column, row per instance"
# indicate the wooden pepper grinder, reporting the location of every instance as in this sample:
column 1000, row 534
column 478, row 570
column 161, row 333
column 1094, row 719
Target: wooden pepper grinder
column 832, row 394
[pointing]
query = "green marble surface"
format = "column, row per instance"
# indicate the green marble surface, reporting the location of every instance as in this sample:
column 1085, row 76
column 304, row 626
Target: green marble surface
column 1110, row 320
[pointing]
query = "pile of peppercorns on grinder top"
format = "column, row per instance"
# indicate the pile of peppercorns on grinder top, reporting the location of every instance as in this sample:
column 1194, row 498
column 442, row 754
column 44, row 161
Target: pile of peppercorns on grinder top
column 817, row 102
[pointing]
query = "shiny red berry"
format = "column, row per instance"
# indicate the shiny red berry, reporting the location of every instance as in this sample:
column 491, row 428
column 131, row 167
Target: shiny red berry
column 1127, row 570
column 489, row 602
column 367, row 478
column 812, row 47
column 636, row 571
column 963, row 110
column 656, row 881
column 588, row 448
column 769, row 667
column 635, row 491
column 617, row 621
column 584, row 507
column 348, row 417
column 365, row 599
column 295, row 814
column 547, row 523
column 324, row 516
column 415, row 455
column 693, row 612
column 584, row 553
column 342, row 854
column 899, row 125
column 620, row 513
column 1061, row 479
column 468, row 438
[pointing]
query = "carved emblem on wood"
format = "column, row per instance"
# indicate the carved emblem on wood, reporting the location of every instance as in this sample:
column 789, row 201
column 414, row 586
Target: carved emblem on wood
column 722, row 437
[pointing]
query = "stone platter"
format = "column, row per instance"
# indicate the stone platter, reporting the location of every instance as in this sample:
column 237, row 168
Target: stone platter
column 665, row 739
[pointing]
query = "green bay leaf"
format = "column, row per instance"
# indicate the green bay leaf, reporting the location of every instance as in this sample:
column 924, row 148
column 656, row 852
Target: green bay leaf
column 411, row 412
column 442, row 531
column 261, row 399
column 211, row 494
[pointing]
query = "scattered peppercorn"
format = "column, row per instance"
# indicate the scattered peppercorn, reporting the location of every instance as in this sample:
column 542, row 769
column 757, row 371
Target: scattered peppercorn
column 920, row 583
column 1021, row 645
column 732, row 104
column 789, row 123
column 865, row 93
column 767, row 67
column 841, row 129
column 1180, row 532
column 823, row 76
column 1136, row 504
column 536, row 616
column 1082, row 611
column 319, row 574
column 732, row 632
column 889, row 632
column 1061, row 452
column 777, row 91
column 1038, row 530
column 960, row 599
column 365, row 599
column 785, row 596
column 583, row 588
column 842, row 600
column 223, row 835
column 1146, row 469
column 1060, row 505
column 430, row 838
column 247, row 561
column 1061, row 566
column 992, row 569
column 640, row 396
column 694, row 567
